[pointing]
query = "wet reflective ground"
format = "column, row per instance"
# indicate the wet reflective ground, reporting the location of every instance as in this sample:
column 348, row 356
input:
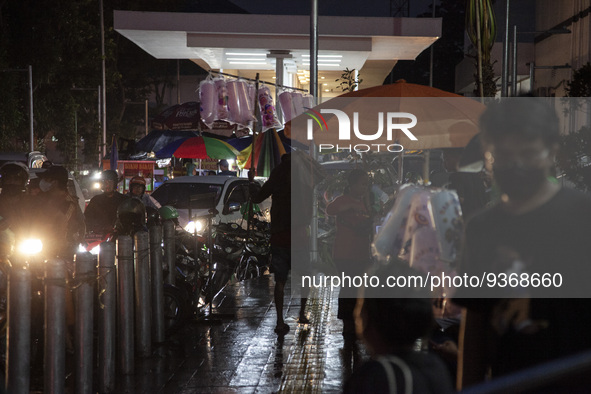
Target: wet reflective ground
column 237, row 350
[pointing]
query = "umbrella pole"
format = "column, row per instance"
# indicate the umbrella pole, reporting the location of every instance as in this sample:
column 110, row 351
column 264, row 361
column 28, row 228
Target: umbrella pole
column 401, row 167
column 257, row 124
column 427, row 156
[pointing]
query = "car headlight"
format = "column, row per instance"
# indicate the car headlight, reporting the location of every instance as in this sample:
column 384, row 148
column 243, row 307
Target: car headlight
column 94, row 250
column 195, row 226
column 30, row 246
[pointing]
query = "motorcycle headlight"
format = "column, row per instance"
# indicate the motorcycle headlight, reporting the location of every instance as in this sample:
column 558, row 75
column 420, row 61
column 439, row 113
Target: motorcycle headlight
column 195, row 226
column 95, row 251
column 30, row 247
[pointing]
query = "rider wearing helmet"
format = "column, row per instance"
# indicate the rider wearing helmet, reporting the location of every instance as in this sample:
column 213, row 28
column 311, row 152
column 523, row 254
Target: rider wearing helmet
column 131, row 217
column 14, row 202
column 137, row 190
column 58, row 215
column 101, row 212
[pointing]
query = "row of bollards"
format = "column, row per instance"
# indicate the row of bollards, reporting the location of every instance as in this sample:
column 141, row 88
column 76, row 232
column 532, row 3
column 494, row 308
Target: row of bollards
column 129, row 300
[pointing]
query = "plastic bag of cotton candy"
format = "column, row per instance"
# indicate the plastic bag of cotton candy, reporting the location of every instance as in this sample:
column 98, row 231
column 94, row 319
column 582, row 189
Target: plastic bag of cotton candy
column 420, row 210
column 268, row 113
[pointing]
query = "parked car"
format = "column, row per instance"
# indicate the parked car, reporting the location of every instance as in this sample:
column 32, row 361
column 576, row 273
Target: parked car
column 199, row 194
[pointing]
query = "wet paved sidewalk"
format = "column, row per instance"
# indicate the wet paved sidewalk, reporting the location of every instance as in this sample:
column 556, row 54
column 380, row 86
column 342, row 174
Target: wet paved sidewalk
column 242, row 354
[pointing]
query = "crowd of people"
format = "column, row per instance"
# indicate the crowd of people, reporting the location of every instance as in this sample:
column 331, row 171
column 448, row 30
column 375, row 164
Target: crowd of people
column 534, row 226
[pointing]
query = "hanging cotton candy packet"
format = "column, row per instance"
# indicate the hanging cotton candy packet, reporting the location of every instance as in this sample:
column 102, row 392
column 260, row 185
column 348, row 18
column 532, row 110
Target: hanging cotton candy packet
column 208, row 98
column 268, row 114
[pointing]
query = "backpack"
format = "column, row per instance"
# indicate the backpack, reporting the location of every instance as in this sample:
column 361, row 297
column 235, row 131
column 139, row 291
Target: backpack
column 390, row 364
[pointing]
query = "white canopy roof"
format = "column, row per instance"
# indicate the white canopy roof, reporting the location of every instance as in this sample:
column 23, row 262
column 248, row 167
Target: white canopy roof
column 251, row 43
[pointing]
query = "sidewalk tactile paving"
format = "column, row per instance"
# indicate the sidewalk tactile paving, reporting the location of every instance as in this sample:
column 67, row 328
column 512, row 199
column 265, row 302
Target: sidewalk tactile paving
column 243, row 354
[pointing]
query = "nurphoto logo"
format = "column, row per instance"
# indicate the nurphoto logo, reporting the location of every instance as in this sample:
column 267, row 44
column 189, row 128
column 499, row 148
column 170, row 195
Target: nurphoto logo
column 392, row 120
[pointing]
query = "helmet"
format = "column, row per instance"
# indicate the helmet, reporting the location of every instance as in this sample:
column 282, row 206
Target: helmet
column 167, row 212
column 138, row 180
column 131, row 215
column 15, row 169
column 110, row 175
column 57, row 173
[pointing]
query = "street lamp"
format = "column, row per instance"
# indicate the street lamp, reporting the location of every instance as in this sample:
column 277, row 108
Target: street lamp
column 104, row 108
column 30, row 70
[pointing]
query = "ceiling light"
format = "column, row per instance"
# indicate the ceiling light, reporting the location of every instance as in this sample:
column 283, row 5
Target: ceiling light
column 248, row 63
column 321, row 77
column 327, row 90
column 339, row 56
column 325, row 64
column 325, row 84
column 254, row 59
column 325, row 60
column 245, row 54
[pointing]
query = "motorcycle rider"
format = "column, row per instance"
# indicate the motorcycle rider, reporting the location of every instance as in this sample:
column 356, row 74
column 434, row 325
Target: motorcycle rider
column 59, row 216
column 101, row 212
column 15, row 206
column 137, row 190
column 15, row 215
column 13, row 198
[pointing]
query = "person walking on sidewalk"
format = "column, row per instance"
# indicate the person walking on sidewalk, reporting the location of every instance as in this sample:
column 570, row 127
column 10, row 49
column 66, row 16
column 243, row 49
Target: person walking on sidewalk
column 286, row 237
column 351, row 246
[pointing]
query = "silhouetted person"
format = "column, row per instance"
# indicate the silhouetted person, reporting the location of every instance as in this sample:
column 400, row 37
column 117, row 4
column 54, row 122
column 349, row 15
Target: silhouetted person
column 224, row 168
column 536, row 227
column 101, row 212
column 389, row 328
column 287, row 237
column 351, row 246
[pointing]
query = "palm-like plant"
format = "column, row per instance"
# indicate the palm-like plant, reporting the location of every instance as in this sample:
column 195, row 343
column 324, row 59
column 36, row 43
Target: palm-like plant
column 482, row 30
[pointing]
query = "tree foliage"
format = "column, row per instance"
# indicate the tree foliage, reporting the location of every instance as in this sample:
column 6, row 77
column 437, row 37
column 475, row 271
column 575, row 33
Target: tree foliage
column 348, row 81
column 580, row 85
column 482, row 30
column 62, row 41
column 574, row 157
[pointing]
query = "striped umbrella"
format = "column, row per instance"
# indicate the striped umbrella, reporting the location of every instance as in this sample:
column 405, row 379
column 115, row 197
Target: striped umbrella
column 198, row 148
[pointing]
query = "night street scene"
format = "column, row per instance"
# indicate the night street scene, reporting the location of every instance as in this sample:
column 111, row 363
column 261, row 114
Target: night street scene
column 307, row 196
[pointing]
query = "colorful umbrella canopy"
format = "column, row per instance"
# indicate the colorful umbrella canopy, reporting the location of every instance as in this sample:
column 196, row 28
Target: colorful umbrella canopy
column 444, row 119
column 198, row 148
column 184, row 116
column 268, row 149
column 158, row 139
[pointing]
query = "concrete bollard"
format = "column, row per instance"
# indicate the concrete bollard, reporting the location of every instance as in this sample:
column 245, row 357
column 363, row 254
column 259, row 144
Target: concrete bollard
column 84, row 277
column 18, row 357
column 55, row 326
column 169, row 251
column 143, row 298
column 107, row 318
column 125, row 303
column 158, row 325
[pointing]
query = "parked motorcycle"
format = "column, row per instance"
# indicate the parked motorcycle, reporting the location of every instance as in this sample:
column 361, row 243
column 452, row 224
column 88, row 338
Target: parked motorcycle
column 237, row 254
